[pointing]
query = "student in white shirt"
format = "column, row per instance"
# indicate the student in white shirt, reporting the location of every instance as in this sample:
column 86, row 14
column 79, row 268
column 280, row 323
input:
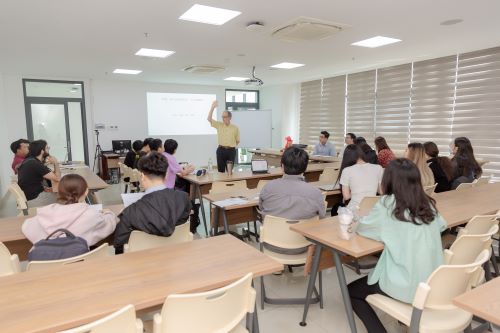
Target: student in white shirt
column 359, row 180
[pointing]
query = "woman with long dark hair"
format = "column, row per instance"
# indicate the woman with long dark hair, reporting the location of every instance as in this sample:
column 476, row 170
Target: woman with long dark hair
column 358, row 178
column 465, row 166
column 441, row 167
column 406, row 220
column 385, row 154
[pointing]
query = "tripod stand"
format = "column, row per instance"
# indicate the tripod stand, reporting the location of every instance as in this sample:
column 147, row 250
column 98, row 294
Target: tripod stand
column 98, row 150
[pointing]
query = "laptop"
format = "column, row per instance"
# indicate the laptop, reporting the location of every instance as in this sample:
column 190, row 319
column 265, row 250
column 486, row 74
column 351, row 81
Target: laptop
column 259, row 167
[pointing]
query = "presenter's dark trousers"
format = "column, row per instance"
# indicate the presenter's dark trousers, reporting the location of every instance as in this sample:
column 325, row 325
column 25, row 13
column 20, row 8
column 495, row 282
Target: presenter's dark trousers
column 225, row 154
column 358, row 291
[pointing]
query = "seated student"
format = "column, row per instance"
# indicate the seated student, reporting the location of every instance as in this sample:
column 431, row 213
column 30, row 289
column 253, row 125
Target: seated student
column 406, row 220
column 465, row 166
column 348, row 140
column 174, row 168
column 359, row 180
column 159, row 210
column 416, row 153
column 71, row 213
column 323, row 147
column 441, row 167
column 144, row 150
column 133, row 155
column 32, row 173
column 385, row 154
column 20, row 148
column 290, row 196
column 156, row 145
column 370, row 154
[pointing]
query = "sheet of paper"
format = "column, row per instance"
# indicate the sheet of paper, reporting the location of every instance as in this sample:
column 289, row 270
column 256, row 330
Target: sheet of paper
column 230, row 202
column 130, row 198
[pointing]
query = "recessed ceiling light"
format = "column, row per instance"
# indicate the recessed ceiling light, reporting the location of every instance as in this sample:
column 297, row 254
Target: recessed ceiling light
column 287, row 65
column 451, row 22
column 209, row 15
column 127, row 71
column 154, row 53
column 235, row 78
column 376, row 41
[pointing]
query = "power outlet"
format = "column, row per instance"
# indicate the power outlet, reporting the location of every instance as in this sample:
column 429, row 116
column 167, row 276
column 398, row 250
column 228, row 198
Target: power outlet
column 113, row 127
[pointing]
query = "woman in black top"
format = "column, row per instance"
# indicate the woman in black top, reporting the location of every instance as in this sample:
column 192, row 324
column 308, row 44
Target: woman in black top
column 370, row 154
column 465, row 166
column 441, row 167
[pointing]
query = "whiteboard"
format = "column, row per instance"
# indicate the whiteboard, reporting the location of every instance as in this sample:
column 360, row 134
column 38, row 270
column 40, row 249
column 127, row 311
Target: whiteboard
column 255, row 128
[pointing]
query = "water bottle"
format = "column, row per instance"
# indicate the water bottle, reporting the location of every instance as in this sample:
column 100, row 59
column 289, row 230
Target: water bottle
column 210, row 165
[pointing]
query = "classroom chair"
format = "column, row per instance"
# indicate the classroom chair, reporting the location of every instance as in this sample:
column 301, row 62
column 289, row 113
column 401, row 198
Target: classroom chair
column 276, row 239
column 9, row 263
column 135, row 181
column 222, row 187
column 464, row 186
column 329, row 175
column 140, row 240
column 100, row 252
column 481, row 181
column 125, row 173
column 123, row 321
column 21, row 201
column 429, row 190
column 432, row 309
column 219, row 310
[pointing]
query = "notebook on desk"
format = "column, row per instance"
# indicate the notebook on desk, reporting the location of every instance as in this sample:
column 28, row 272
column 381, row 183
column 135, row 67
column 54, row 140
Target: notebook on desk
column 259, row 167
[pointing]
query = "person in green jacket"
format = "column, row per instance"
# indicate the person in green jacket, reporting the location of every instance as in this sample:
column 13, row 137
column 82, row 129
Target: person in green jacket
column 406, row 220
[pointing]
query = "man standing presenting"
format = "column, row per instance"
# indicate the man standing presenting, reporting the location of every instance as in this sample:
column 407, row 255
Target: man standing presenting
column 228, row 137
column 324, row 148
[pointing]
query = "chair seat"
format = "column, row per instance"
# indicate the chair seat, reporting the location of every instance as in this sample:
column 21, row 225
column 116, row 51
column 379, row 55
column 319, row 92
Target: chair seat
column 451, row 320
column 239, row 329
column 287, row 259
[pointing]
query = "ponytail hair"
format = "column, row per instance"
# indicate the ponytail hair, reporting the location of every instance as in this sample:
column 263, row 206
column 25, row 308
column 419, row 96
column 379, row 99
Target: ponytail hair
column 71, row 188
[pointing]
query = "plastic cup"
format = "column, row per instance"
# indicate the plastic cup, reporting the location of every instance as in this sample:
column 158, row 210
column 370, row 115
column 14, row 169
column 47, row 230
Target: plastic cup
column 345, row 224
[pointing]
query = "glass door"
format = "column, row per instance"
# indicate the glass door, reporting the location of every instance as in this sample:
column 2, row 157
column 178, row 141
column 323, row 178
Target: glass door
column 49, row 123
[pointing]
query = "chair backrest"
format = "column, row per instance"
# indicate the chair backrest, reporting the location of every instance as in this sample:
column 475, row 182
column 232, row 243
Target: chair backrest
column 123, row 321
column 276, row 231
column 448, row 282
column 135, row 175
column 262, row 183
column 464, row 186
column 367, row 204
column 429, row 190
column 125, row 171
column 140, row 240
column 481, row 181
column 467, row 247
column 21, row 201
column 218, row 310
column 478, row 225
column 329, row 174
column 222, row 187
column 9, row 263
column 100, row 252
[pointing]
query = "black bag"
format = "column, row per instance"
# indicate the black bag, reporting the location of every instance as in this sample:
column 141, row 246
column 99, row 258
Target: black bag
column 194, row 219
column 58, row 247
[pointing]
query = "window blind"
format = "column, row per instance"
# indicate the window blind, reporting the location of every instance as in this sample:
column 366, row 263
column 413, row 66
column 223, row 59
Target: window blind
column 477, row 105
column 432, row 96
column 361, row 104
column 333, row 109
column 393, row 105
column 310, row 112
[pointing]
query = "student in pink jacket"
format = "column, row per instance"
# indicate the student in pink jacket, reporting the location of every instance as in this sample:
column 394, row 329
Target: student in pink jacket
column 71, row 213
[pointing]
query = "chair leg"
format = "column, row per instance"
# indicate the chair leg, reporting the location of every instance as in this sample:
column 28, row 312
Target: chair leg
column 494, row 261
column 487, row 271
column 320, row 278
column 126, row 188
column 262, row 293
column 290, row 269
column 257, row 237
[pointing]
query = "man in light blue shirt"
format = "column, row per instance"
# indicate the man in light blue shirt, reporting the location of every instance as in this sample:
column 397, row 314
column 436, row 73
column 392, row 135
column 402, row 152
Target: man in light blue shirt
column 324, row 148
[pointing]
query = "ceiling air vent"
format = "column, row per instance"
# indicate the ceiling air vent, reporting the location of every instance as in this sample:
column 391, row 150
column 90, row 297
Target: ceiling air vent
column 305, row 28
column 203, row 69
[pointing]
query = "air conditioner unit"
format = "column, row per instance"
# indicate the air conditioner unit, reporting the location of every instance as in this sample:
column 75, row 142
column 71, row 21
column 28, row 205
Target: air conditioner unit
column 203, row 69
column 305, row 28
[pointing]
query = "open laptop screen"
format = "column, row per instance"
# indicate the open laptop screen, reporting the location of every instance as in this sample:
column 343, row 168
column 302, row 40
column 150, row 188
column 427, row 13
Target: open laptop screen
column 259, row 165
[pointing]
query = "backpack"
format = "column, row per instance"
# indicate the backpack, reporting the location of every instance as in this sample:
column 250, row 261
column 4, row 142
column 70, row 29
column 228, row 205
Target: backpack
column 58, row 247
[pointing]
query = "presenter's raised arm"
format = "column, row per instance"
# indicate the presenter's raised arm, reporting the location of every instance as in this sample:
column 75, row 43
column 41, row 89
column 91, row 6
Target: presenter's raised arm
column 212, row 108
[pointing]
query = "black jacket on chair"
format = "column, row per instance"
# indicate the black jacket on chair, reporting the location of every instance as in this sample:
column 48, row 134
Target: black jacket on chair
column 156, row 213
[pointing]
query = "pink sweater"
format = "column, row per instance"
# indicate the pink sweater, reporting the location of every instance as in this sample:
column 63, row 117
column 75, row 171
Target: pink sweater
column 80, row 218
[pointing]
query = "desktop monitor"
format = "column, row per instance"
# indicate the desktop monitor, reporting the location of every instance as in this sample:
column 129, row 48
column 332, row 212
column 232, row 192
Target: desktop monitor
column 121, row 145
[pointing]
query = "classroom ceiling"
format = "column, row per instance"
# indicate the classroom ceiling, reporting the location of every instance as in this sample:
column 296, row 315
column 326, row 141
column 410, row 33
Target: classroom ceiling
column 89, row 39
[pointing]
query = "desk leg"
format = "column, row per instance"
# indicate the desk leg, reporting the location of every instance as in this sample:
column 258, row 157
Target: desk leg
column 215, row 229
column 345, row 292
column 312, row 282
column 202, row 208
column 224, row 216
column 495, row 328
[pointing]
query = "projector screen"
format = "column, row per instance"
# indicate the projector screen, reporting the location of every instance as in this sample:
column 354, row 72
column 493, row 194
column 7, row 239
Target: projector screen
column 179, row 114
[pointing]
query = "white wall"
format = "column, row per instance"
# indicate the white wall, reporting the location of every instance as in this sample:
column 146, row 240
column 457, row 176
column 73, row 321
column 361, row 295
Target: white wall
column 5, row 161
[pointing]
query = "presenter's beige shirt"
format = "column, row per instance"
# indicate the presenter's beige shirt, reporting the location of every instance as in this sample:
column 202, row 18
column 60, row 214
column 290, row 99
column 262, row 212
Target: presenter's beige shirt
column 226, row 135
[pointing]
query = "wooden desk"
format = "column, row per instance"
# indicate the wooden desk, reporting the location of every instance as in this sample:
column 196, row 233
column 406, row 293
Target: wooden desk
column 109, row 163
column 69, row 296
column 202, row 185
column 94, row 182
column 457, row 207
column 273, row 157
column 12, row 236
column 483, row 302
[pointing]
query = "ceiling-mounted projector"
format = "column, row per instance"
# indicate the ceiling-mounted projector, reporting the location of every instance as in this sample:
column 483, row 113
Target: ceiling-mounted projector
column 254, row 81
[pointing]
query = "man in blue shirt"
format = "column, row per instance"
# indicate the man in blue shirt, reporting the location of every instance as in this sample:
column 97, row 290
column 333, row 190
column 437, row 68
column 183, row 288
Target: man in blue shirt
column 324, row 148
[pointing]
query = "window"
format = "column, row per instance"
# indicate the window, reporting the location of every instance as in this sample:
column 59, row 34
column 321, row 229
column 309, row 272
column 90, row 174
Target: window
column 242, row 99
column 310, row 112
column 361, row 104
